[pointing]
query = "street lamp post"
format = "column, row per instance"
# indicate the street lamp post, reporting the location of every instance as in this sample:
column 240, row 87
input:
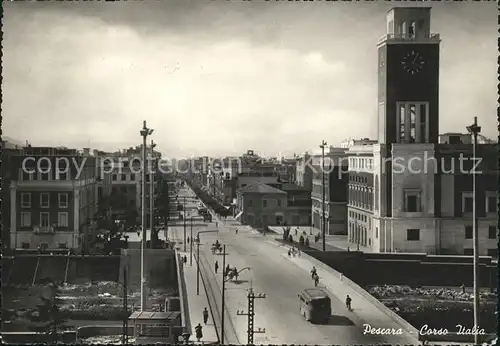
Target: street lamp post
column 191, row 245
column 151, row 192
column 474, row 129
column 223, row 294
column 323, row 230
column 184, row 219
column 198, row 259
column 145, row 132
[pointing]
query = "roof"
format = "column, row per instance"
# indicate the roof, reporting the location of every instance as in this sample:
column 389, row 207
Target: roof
column 154, row 315
column 292, row 187
column 315, row 292
column 260, row 188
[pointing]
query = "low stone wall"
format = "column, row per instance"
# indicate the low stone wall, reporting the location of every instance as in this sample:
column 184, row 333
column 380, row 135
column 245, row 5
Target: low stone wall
column 90, row 331
column 400, row 321
column 24, row 338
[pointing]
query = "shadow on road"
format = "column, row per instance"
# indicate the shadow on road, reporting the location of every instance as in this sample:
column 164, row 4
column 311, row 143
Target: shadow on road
column 338, row 320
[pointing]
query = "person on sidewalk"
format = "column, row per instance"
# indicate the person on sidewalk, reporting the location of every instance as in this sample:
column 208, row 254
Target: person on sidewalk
column 236, row 231
column 313, row 272
column 316, row 280
column 205, row 315
column 216, row 266
column 348, row 301
column 199, row 333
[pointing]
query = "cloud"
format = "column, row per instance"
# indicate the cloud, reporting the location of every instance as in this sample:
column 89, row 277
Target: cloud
column 213, row 84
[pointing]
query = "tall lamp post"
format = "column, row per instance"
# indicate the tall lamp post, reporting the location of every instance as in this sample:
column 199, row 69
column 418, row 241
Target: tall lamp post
column 184, row 221
column 474, row 129
column 198, row 259
column 145, row 132
column 191, row 245
column 323, row 230
column 151, row 192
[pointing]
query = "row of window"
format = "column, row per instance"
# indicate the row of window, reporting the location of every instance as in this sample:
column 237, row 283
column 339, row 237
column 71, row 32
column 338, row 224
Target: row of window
column 44, row 246
column 48, row 176
column 412, row 122
column 26, row 219
column 128, row 177
column 361, row 163
column 413, row 234
column 44, row 200
column 265, row 203
column 357, row 216
column 358, row 179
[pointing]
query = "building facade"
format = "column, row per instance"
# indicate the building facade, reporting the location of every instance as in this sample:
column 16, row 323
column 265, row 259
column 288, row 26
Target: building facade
column 304, row 171
column 53, row 198
column 335, row 192
column 412, row 192
column 260, row 205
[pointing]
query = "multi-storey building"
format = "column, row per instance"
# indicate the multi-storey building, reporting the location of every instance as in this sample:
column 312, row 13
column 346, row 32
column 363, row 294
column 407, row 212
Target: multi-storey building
column 357, row 142
column 304, row 171
column 126, row 180
column 412, row 191
column 53, row 198
column 334, row 193
column 229, row 174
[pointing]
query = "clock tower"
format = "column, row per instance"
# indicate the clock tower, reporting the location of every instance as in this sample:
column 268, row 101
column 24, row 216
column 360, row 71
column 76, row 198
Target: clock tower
column 408, row 78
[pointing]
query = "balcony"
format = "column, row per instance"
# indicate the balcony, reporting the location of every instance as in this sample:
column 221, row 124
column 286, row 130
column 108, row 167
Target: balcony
column 407, row 38
column 43, row 230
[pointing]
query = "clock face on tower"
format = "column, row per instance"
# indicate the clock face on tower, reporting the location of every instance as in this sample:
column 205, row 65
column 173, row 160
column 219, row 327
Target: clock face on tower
column 413, row 62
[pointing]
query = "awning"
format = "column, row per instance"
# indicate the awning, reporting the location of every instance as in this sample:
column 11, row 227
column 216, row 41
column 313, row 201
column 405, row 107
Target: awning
column 238, row 215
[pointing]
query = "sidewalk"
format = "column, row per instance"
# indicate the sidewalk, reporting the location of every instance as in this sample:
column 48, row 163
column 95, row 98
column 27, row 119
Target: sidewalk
column 196, row 304
column 363, row 308
column 335, row 242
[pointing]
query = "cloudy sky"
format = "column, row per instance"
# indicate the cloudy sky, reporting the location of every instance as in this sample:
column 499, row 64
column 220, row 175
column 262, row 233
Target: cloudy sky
column 220, row 77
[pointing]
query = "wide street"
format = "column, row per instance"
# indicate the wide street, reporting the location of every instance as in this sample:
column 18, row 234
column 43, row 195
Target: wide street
column 275, row 275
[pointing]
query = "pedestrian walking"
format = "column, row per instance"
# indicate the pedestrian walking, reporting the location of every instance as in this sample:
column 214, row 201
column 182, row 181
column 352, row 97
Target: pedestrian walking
column 227, row 270
column 463, row 288
column 188, row 240
column 289, row 252
column 199, row 333
column 216, row 266
column 216, row 224
column 205, row 315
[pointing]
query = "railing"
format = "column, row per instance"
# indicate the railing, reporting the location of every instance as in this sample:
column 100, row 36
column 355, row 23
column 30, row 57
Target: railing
column 433, row 37
column 43, row 229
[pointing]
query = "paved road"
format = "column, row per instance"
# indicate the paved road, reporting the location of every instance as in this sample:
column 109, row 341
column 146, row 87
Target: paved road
column 273, row 274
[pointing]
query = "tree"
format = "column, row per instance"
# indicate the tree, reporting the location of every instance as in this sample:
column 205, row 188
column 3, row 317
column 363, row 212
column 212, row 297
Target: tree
column 48, row 317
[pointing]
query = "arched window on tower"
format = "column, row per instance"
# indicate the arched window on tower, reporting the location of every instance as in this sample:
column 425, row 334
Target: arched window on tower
column 402, row 29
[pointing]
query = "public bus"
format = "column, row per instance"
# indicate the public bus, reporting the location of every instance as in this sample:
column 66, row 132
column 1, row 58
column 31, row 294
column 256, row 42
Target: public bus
column 315, row 305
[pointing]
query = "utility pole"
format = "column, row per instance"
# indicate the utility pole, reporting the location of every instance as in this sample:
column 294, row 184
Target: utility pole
column 191, row 245
column 125, row 307
column 184, row 218
column 474, row 129
column 323, row 228
column 151, row 192
column 145, row 132
column 223, row 294
column 251, row 314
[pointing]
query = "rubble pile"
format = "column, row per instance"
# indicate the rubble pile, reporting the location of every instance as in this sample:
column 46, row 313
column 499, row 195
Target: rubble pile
column 444, row 294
